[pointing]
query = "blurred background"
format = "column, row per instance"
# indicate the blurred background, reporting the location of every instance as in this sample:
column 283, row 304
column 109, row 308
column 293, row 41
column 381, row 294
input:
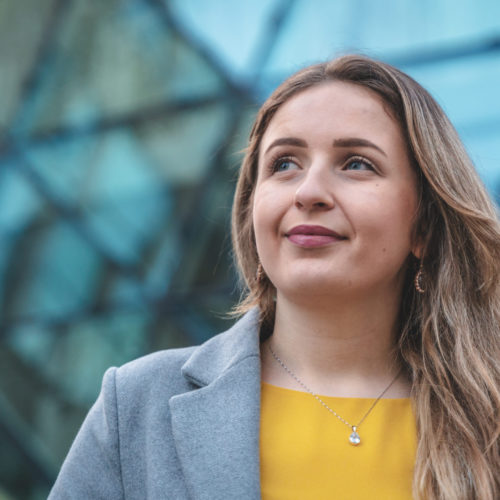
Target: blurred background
column 121, row 126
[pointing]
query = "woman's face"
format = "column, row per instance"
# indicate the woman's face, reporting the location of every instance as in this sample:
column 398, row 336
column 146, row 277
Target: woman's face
column 336, row 198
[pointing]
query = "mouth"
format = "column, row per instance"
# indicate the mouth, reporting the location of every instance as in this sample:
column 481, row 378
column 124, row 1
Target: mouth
column 309, row 236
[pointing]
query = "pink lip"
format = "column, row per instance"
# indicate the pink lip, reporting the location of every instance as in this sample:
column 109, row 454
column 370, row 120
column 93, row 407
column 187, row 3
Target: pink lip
column 312, row 236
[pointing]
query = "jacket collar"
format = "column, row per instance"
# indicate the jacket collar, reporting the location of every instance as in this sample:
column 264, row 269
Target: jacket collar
column 218, row 354
column 216, row 426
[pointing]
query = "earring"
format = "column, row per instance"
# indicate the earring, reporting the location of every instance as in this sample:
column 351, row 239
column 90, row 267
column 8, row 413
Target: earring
column 419, row 278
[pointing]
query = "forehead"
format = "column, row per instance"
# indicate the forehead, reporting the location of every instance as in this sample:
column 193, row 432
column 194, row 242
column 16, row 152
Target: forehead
column 332, row 110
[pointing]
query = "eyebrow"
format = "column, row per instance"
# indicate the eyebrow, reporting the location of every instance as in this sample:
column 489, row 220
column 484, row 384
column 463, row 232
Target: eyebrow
column 351, row 142
column 348, row 142
column 287, row 141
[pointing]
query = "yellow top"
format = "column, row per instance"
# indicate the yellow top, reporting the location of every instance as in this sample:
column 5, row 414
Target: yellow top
column 305, row 451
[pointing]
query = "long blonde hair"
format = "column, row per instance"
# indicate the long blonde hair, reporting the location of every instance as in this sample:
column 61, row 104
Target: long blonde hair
column 450, row 336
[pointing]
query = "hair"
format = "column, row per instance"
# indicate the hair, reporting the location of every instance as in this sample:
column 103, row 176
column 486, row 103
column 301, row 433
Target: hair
column 449, row 341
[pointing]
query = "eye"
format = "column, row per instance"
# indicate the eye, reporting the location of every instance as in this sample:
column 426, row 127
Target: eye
column 358, row 163
column 283, row 164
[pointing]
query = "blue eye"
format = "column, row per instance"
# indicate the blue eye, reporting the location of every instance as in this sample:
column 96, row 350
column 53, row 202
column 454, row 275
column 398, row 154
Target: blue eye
column 358, row 164
column 283, row 165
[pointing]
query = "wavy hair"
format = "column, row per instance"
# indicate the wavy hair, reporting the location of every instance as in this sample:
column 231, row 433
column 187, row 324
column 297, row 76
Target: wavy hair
column 450, row 339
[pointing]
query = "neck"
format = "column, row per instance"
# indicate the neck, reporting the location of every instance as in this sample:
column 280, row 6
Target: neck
column 345, row 349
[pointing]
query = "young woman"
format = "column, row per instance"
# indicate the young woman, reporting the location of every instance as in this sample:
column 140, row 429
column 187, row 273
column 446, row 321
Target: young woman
column 367, row 364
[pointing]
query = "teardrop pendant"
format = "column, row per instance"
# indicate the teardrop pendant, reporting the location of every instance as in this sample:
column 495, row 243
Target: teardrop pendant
column 354, row 437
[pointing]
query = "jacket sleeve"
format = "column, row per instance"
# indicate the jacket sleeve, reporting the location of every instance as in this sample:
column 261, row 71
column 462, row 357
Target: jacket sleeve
column 92, row 468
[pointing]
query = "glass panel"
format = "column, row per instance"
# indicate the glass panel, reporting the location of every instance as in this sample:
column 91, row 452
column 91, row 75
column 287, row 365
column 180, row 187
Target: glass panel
column 122, row 126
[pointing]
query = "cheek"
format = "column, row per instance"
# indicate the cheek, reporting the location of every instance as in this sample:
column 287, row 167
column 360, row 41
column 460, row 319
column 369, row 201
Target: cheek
column 405, row 210
column 260, row 220
column 390, row 221
column 268, row 209
column 258, row 212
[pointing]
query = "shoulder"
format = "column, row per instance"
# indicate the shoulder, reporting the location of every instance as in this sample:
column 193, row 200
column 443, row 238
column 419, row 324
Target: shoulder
column 131, row 419
column 157, row 369
column 166, row 373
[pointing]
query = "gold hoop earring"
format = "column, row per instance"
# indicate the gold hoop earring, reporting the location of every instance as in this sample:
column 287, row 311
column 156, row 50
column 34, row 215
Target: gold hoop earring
column 420, row 278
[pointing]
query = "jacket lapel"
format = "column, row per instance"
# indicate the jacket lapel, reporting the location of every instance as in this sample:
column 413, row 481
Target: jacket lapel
column 216, row 426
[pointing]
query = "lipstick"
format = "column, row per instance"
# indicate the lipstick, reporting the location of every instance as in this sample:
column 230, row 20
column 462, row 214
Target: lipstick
column 311, row 236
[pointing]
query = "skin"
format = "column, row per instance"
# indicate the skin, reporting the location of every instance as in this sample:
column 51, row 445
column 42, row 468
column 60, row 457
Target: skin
column 332, row 156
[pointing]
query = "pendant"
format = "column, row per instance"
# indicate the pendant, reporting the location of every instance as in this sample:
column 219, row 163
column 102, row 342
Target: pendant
column 354, row 437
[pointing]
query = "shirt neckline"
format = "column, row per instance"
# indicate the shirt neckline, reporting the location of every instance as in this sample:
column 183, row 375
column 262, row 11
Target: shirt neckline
column 347, row 398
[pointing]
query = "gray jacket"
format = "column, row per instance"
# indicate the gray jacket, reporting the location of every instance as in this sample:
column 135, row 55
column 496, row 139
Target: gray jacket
column 177, row 424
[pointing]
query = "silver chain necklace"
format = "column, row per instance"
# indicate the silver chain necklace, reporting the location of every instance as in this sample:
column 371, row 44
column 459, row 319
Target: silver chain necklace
column 354, row 438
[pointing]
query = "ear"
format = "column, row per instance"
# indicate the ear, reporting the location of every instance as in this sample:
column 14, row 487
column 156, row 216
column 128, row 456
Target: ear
column 418, row 245
column 418, row 250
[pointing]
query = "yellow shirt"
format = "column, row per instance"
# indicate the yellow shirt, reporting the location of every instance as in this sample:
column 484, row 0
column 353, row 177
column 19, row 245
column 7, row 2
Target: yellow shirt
column 305, row 451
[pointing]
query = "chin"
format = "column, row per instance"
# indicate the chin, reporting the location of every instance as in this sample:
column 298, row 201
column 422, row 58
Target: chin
column 314, row 286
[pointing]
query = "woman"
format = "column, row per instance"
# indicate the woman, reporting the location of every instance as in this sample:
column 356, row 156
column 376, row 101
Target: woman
column 370, row 252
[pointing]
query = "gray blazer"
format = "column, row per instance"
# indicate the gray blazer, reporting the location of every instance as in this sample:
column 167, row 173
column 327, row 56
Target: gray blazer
column 177, row 424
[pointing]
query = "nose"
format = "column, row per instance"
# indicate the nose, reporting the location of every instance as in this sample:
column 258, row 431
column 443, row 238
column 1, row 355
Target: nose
column 314, row 191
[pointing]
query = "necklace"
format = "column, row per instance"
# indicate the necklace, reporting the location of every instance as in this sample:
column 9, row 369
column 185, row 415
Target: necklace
column 354, row 438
